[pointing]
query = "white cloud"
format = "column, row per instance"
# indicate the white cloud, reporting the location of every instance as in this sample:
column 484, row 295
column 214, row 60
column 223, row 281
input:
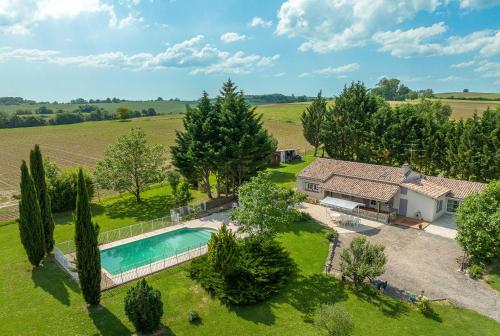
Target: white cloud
column 488, row 69
column 411, row 42
column 192, row 54
column 257, row 21
column 230, row 37
column 19, row 17
column 336, row 25
column 332, row 70
column 478, row 4
column 238, row 63
column 463, row 64
column 280, row 74
column 451, row 78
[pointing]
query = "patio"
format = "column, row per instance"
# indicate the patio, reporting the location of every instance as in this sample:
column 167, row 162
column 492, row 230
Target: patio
column 322, row 215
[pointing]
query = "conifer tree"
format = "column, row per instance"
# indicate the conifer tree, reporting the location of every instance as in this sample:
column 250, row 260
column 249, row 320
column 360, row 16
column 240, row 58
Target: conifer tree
column 88, row 259
column 38, row 174
column 312, row 120
column 30, row 221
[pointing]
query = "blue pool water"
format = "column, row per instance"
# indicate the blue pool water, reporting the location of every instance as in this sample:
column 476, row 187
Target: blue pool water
column 125, row 257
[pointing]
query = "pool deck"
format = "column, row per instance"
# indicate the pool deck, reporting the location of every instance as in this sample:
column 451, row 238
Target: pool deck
column 213, row 221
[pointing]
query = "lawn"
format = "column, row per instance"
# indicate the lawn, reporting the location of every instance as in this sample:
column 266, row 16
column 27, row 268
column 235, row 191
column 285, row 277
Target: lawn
column 494, row 278
column 44, row 301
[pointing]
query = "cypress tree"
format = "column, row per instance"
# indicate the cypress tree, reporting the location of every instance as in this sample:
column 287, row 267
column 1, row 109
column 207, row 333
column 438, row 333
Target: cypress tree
column 38, row 174
column 88, row 258
column 30, row 220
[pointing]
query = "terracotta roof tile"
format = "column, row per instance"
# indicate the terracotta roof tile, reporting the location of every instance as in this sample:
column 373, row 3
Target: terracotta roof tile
column 361, row 188
column 426, row 187
column 323, row 168
column 458, row 188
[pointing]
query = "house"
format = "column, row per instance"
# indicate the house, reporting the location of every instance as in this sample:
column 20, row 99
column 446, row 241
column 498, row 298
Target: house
column 383, row 192
column 284, row 155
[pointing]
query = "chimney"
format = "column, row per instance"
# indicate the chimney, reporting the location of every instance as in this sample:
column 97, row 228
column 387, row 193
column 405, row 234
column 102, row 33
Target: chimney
column 406, row 169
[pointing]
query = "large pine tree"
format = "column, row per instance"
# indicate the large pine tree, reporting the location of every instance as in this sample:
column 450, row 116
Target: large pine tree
column 88, row 258
column 30, row 220
column 312, row 121
column 38, row 174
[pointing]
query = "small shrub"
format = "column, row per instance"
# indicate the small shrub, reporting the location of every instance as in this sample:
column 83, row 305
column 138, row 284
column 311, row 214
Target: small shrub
column 424, row 305
column 333, row 320
column 476, row 271
column 194, row 317
column 331, row 235
column 144, row 307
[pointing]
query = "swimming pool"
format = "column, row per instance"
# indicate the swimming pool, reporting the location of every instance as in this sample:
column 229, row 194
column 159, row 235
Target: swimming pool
column 126, row 257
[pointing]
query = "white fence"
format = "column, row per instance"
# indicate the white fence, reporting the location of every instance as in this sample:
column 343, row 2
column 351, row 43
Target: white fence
column 64, row 251
column 150, row 266
column 176, row 215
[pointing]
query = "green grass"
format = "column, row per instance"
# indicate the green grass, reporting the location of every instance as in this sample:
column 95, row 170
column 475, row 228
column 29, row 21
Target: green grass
column 285, row 174
column 487, row 95
column 494, row 278
column 161, row 107
column 45, row 302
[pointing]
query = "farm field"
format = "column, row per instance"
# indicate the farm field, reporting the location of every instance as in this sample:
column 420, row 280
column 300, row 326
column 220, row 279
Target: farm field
column 83, row 144
column 486, row 95
column 161, row 107
column 291, row 112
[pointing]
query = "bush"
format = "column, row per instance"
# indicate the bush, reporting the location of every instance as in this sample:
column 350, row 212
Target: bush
column 362, row 260
column 144, row 307
column 331, row 235
column 476, row 271
column 333, row 320
column 62, row 187
column 424, row 305
column 261, row 269
column 194, row 317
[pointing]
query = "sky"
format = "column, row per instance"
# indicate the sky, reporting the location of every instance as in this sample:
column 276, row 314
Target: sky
column 143, row 49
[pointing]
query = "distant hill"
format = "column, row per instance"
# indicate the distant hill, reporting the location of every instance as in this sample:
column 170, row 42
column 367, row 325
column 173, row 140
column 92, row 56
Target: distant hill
column 469, row 95
column 275, row 98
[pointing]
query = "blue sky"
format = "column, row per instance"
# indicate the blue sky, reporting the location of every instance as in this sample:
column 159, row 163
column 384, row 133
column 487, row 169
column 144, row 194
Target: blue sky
column 142, row 49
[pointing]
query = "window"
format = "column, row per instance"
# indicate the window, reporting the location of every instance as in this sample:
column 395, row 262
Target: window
column 439, row 206
column 311, row 187
column 404, row 191
column 452, row 205
column 373, row 202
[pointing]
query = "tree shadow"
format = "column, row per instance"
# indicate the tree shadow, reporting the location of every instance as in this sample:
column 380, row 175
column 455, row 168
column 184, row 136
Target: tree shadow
column 306, row 293
column 259, row 313
column 54, row 281
column 278, row 176
column 106, row 322
column 150, row 208
column 388, row 306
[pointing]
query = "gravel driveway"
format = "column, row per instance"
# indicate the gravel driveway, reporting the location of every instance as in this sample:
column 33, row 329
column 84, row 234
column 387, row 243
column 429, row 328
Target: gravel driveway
column 418, row 260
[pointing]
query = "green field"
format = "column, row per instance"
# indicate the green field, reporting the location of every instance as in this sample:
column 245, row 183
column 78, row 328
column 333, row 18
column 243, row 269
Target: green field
column 45, row 301
column 291, row 112
column 161, row 107
column 83, row 144
column 469, row 95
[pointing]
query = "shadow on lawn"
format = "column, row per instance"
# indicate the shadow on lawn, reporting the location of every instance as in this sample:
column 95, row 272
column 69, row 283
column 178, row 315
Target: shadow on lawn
column 388, row 306
column 281, row 177
column 150, row 208
column 53, row 280
column 106, row 322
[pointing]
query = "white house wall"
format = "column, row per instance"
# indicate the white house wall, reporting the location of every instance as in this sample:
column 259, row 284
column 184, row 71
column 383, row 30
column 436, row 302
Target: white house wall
column 301, row 188
column 418, row 202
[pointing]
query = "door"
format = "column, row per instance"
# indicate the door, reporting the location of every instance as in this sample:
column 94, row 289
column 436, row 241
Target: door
column 403, row 205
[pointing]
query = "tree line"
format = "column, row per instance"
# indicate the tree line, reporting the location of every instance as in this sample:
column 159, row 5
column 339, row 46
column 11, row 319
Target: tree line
column 223, row 138
column 363, row 127
column 44, row 116
column 393, row 89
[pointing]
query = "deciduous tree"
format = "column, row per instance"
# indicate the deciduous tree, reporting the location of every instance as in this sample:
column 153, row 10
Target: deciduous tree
column 362, row 260
column 130, row 164
column 478, row 224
